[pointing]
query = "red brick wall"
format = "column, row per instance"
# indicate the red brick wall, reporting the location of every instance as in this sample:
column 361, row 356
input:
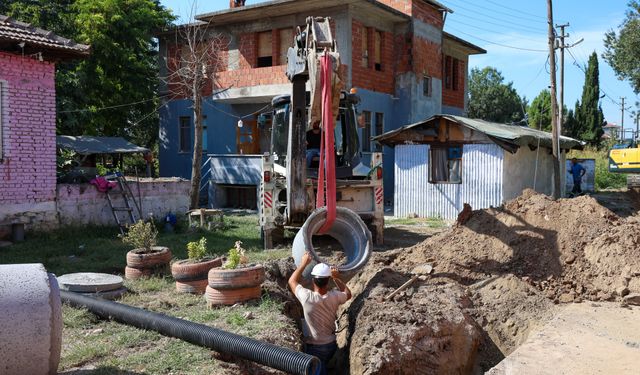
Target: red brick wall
column 455, row 98
column 427, row 58
column 369, row 78
column 28, row 169
column 418, row 9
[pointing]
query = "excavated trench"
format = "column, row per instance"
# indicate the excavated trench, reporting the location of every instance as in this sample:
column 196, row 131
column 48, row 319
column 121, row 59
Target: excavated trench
column 498, row 276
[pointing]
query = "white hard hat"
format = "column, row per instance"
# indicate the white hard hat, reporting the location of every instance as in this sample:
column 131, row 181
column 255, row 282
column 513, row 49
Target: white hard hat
column 321, row 270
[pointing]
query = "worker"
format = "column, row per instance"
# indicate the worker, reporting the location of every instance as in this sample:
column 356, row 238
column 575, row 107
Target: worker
column 314, row 137
column 320, row 307
column 577, row 171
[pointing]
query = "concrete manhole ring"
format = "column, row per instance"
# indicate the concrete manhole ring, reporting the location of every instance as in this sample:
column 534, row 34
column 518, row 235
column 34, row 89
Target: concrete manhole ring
column 109, row 294
column 89, row 282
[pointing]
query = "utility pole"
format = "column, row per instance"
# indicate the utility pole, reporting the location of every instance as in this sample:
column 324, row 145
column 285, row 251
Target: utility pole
column 561, row 47
column 622, row 121
column 554, row 104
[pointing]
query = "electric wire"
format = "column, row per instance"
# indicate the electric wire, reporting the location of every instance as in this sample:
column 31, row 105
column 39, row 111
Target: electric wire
column 498, row 44
column 492, row 31
column 112, row 107
column 528, row 19
column 496, row 23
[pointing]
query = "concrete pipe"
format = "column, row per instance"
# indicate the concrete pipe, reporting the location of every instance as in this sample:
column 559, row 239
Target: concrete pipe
column 348, row 229
column 30, row 320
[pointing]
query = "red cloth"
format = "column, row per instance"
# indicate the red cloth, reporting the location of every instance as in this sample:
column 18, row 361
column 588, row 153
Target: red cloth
column 102, row 184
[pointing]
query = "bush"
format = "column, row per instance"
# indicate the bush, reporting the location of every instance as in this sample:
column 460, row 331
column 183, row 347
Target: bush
column 197, row 250
column 141, row 235
column 236, row 257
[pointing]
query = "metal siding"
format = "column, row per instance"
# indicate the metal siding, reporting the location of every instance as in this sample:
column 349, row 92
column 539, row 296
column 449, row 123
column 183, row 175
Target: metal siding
column 481, row 185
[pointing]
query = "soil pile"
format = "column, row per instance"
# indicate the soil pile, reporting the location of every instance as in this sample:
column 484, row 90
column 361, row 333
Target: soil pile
column 570, row 248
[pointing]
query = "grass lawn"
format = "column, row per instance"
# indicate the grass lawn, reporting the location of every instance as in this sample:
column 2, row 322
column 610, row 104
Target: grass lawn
column 104, row 347
column 431, row 222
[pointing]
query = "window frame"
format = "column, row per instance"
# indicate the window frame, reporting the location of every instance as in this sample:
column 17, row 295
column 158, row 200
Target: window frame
column 365, row 47
column 459, row 160
column 427, row 90
column 378, row 44
column 447, row 72
column 205, row 135
column 366, row 132
column 264, row 61
column 283, row 45
column 455, row 66
column 182, row 120
column 379, row 128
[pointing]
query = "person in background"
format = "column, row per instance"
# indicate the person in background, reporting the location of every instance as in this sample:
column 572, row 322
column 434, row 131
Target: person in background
column 320, row 307
column 314, row 137
column 577, row 171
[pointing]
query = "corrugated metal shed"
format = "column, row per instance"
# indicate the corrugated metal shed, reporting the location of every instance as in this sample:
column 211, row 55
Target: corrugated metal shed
column 481, row 187
column 510, row 134
column 85, row 145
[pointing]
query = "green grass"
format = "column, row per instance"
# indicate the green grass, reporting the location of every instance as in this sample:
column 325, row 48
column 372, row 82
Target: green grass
column 432, row 222
column 108, row 347
column 604, row 178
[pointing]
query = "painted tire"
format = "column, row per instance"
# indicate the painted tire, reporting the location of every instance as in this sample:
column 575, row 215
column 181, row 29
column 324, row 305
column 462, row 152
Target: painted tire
column 193, row 287
column 131, row 273
column 216, row 297
column 183, row 270
column 237, row 278
column 139, row 258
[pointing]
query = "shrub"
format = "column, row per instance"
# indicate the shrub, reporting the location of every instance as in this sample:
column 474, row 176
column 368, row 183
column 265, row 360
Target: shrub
column 197, row 250
column 141, row 235
column 236, row 257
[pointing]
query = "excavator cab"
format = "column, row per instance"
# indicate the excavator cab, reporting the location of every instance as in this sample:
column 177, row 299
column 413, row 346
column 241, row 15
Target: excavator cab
column 347, row 144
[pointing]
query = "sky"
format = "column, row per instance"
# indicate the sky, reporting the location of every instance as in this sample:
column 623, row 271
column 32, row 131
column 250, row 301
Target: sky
column 509, row 29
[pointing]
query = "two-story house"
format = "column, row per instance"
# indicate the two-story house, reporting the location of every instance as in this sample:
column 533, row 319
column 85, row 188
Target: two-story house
column 395, row 53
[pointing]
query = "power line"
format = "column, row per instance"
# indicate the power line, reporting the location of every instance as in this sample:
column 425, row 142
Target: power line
column 498, row 44
column 517, row 10
column 491, row 31
column 110, row 107
column 455, row 5
column 505, row 25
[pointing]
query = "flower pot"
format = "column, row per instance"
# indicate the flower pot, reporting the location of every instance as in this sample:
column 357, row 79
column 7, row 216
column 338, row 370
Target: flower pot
column 190, row 276
column 141, row 262
column 230, row 286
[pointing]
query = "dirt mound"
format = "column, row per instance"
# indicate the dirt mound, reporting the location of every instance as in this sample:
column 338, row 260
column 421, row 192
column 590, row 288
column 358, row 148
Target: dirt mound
column 558, row 246
column 425, row 327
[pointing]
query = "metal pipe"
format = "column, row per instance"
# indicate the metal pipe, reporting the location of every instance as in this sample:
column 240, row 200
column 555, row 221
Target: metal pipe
column 260, row 352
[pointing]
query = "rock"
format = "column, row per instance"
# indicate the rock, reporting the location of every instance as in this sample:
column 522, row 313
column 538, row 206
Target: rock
column 249, row 315
column 570, row 259
column 633, row 299
column 566, row 298
column 622, row 291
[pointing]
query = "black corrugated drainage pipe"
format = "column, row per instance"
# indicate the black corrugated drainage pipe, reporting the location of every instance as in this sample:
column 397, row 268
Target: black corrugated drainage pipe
column 199, row 334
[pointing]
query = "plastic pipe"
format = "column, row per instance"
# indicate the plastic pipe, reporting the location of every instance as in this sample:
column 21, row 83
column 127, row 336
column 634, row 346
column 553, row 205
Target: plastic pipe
column 348, row 229
column 266, row 354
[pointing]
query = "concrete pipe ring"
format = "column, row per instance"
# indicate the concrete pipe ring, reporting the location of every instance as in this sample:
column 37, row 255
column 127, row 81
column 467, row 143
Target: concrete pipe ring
column 348, row 229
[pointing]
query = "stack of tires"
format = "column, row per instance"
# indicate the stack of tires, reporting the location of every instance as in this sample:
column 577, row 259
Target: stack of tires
column 192, row 277
column 145, row 263
column 231, row 286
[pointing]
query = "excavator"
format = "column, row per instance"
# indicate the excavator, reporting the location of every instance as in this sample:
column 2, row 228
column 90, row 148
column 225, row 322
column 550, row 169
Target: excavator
column 625, row 158
column 288, row 187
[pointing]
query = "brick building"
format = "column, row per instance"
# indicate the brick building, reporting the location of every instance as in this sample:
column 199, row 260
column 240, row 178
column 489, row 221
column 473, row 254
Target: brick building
column 395, row 52
column 28, row 120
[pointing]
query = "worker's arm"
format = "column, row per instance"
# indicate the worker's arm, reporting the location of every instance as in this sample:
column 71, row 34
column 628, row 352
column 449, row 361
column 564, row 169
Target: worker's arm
column 335, row 275
column 294, row 280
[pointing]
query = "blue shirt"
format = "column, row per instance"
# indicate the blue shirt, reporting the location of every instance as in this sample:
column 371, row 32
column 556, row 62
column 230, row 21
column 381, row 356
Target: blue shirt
column 576, row 171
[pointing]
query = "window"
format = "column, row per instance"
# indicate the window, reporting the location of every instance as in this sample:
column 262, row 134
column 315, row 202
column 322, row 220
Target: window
column 379, row 128
column 377, row 47
column 185, row 134
column 454, row 74
column 445, row 165
column 205, row 136
column 265, row 57
column 426, row 86
column 365, row 47
column 285, row 41
column 366, row 132
column 447, row 72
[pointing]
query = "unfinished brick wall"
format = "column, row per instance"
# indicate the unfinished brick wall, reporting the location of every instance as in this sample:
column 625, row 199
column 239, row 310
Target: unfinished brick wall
column 28, row 167
column 455, row 98
column 368, row 77
column 417, row 9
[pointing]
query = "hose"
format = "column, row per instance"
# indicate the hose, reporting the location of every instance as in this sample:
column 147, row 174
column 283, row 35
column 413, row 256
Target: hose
column 199, row 334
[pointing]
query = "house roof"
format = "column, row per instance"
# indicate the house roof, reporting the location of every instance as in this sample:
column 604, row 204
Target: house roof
column 506, row 136
column 470, row 48
column 13, row 32
column 85, row 145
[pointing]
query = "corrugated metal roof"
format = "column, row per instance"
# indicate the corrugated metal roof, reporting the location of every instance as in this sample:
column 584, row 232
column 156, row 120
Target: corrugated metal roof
column 85, row 145
column 511, row 134
column 16, row 31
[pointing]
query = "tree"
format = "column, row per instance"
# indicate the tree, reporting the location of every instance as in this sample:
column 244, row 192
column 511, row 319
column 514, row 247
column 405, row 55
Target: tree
column 589, row 116
column 191, row 70
column 539, row 112
column 622, row 49
column 492, row 100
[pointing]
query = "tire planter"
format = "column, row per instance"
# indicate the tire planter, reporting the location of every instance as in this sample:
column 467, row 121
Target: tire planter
column 143, row 263
column 227, row 287
column 192, row 277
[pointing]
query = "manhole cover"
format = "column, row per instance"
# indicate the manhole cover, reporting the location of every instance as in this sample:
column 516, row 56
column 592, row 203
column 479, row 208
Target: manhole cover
column 89, row 282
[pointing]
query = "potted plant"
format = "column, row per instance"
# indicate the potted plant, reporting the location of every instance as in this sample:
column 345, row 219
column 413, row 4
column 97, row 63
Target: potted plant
column 191, row 274
column 146, row 258
column 236, row 281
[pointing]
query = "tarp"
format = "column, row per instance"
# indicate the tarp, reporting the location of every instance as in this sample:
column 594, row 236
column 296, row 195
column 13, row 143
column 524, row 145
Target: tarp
column 512, row 134
column 86, row 145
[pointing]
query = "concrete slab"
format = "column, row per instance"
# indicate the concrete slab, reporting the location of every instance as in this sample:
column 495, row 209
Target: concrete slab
column 89, row 282
column 587, row 338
